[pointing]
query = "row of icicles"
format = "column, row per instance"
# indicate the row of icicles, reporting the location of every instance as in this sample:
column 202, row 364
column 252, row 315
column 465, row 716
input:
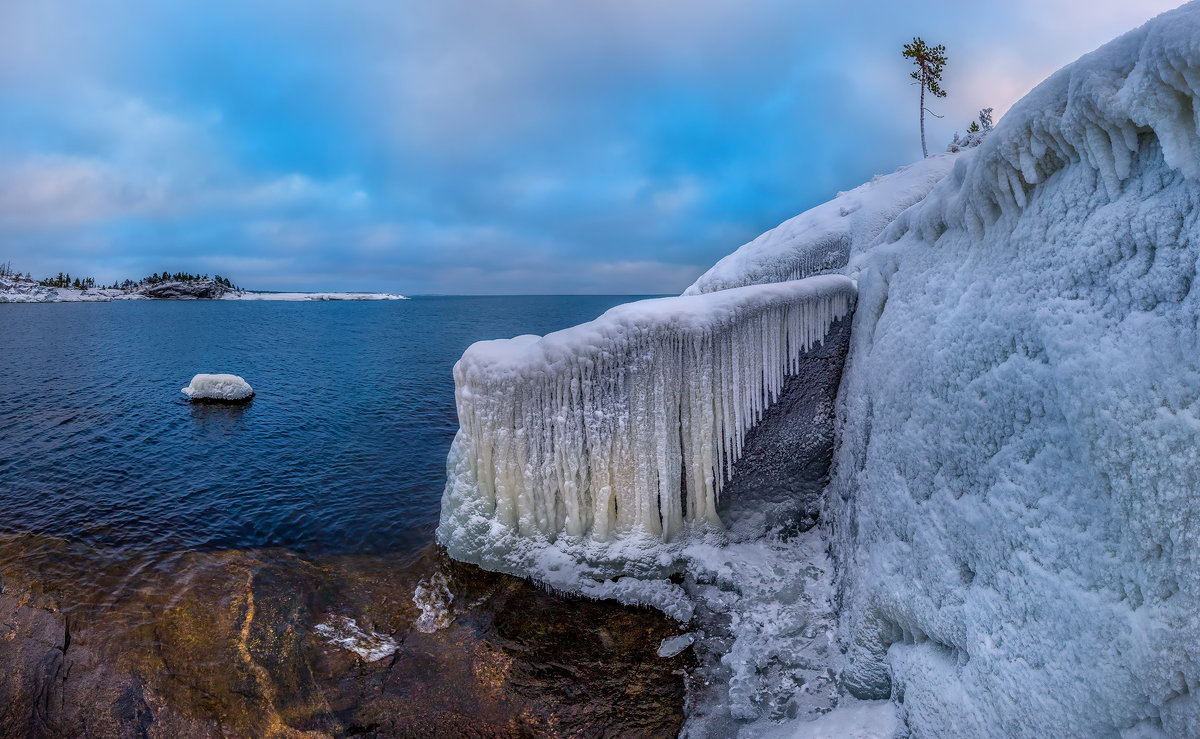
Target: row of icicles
column 639, row 434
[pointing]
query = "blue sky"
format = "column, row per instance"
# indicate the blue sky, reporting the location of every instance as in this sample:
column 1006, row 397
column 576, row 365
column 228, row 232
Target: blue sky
column 472, row 146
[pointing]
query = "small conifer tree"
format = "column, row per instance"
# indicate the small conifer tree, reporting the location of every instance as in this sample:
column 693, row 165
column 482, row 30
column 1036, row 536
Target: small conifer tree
column 930, row 61
column 985, row 119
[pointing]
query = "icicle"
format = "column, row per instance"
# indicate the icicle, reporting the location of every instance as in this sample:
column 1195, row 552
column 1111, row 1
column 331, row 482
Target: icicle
column 596, row 430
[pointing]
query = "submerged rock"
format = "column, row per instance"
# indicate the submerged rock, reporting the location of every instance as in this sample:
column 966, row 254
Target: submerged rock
column 218, row 389
column 116, row 643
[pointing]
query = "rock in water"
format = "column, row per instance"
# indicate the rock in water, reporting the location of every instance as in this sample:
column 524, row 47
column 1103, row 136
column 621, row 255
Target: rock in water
column 219, row 389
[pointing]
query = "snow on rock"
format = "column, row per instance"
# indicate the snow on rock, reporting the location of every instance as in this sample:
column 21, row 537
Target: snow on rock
column 205, row 289
column 1013, row 508
column 221, row 388
column 306, row 297
column 20, row 290
column 823, row 238
column 593, row 432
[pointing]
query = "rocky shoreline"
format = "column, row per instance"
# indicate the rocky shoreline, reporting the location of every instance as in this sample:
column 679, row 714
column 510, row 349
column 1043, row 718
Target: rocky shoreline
column 206, row 644
column 20, row 290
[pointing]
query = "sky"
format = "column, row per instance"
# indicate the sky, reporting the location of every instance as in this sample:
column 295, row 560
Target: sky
column 475, row 146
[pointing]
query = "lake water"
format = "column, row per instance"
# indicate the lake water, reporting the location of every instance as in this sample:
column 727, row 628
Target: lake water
column 342, row 450
column 217, row 570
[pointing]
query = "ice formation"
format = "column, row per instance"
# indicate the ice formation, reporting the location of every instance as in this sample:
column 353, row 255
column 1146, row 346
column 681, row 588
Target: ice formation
column 347, row 634
column 674, row 645
column 822, row 239
column 433, row 597
column 627, row 424
column 1014, row 503
column 226, row 388
column 1012, row 513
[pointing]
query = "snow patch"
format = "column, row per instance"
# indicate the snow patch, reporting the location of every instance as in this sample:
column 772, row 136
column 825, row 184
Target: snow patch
column 306, row 297
column 228, row 388
column 823, row 239
column 852, row 719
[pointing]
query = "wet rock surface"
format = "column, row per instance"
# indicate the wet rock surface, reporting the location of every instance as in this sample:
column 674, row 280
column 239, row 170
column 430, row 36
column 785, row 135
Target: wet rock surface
column 200, row 644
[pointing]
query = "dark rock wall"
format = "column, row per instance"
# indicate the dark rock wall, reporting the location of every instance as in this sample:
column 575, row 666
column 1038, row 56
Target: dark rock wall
column 786, row 457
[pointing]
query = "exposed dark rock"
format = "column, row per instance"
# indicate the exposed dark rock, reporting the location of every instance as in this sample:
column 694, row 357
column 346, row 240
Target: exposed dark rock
column 194, row 290
column 786, row 457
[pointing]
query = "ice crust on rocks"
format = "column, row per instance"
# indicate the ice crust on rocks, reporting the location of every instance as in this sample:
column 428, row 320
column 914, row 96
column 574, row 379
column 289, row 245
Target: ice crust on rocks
column 821, row 239
column 1014, row 503
column 629, row 423
column 229, row 388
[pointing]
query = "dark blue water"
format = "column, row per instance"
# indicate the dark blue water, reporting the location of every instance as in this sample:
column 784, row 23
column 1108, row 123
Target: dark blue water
column 342, row 450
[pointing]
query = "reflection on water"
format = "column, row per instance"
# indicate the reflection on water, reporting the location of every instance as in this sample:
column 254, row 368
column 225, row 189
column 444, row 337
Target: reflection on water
column 259, row 643
column 219, row 419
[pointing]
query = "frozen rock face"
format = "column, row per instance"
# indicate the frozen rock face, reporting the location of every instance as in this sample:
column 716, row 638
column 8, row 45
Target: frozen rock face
column 1013, row 505
column 628, row 425
column 785, row 460
column 219, row 388
column 191, row 290
column 822, row 239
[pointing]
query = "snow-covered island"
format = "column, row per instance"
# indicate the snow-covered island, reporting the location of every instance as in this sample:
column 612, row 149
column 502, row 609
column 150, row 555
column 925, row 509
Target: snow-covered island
column 1009, row 535
column 16, row 289
column 219, row 388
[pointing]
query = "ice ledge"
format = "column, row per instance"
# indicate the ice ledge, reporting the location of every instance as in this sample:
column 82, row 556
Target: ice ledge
column 626, row 426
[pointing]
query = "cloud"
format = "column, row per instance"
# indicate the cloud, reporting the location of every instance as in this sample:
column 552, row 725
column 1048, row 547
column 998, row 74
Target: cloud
column 460, row 146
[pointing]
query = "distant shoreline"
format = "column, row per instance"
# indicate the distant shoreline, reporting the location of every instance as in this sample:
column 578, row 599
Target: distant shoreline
column 19, row 290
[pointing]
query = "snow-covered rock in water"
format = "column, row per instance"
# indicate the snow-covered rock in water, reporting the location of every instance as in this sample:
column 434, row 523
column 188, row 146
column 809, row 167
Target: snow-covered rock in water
column 823, row 238
column 219, row 388
column 1014, row 507
column 594, row 433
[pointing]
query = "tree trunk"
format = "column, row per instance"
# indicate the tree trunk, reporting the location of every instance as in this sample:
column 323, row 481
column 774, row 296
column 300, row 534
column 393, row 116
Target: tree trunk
column 924, row 150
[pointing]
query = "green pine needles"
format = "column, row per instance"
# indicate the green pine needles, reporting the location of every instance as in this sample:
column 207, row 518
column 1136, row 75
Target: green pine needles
column 930, row 61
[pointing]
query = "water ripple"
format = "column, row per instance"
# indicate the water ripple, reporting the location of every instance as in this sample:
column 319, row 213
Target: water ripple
column 342, row 450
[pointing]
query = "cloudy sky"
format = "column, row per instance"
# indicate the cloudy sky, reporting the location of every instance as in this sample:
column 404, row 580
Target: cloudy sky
column 475, row 146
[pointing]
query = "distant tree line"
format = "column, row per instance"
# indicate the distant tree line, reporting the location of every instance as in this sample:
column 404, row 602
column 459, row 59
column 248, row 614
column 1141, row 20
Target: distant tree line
column 64, row 279
column 186, row 277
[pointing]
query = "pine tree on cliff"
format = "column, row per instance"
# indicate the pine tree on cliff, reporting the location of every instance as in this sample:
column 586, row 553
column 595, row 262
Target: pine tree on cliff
column 929, row 60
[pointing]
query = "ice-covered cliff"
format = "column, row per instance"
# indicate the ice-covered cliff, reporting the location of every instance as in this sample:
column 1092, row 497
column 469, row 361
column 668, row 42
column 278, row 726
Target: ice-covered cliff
column 1012, row 511
column 1014, row 504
